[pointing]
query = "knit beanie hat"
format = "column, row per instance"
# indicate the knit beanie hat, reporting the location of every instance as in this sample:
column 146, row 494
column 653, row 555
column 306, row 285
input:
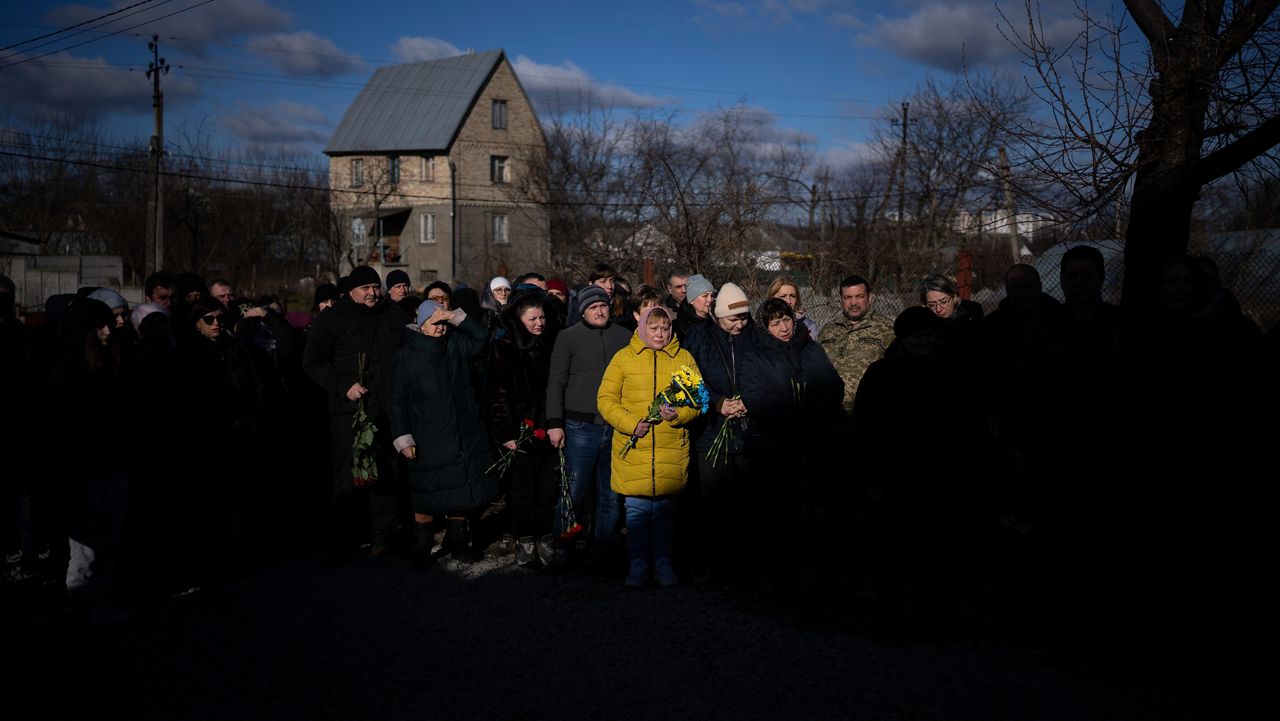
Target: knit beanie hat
column 110, row 297
column 557, row 284
column 697, row 285
column 425, row 311
column 396, row 277
column 325, row 291
column 731, row 300
column 363, row 275
column 591, row 295
column 499, row 282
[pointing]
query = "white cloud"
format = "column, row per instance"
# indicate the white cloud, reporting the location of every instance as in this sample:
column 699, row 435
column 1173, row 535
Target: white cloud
column 848, row 154
column 568, row 86
column 282, row 124
column 305, row 53
column 66, row 84
column 416, row 49
column 949, row 35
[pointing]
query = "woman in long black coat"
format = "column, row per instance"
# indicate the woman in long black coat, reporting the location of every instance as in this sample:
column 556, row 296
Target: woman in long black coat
column 794, row 394
column 437, row 425
column 518, row 373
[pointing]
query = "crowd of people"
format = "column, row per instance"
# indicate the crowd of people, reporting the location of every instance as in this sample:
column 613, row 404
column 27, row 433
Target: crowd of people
column 1062, row 463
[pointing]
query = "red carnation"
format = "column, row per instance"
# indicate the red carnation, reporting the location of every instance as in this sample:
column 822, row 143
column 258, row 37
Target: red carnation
column 528, row 423
column 540, row 434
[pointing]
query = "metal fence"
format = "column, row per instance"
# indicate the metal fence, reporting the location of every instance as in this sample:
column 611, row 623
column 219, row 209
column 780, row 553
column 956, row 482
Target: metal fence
column 1253, row 277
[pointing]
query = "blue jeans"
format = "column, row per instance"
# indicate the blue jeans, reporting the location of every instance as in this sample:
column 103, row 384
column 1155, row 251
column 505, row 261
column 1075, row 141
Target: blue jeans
column 651, row 526
column 587, row 453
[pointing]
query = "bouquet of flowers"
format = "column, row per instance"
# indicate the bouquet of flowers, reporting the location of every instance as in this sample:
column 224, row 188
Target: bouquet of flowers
column 364, row 465
column 568, row 516
column 528, row 430
column 686, row 389
column 719, row 451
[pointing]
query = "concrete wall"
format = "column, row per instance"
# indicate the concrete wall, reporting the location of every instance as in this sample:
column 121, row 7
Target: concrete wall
column 39, row 276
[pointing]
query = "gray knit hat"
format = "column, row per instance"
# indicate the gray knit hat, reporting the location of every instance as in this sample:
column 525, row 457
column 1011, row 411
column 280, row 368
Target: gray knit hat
column 697, row 285
column 591, row 295
column 112, row 298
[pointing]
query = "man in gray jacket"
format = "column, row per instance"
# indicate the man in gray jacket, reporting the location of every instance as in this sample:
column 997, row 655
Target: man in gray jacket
column 579, row 358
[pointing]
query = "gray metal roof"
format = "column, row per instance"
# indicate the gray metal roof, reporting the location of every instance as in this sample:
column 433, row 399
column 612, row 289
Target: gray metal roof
column 413, row 107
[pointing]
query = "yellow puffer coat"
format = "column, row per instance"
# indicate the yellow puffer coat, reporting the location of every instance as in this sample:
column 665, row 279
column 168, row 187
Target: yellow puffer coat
column 659, row 464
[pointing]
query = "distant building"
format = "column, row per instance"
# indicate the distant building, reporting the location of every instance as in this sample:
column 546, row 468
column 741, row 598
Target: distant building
column 431, row 171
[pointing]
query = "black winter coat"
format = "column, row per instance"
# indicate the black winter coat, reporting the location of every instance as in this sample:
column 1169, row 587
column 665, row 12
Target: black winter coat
column 719, row 357
column 518, row 375
column 338, row 337
column 430, row 397
column 793, row 395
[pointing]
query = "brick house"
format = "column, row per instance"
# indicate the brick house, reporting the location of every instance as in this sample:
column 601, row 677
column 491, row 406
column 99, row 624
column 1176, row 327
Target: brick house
column 430, row 169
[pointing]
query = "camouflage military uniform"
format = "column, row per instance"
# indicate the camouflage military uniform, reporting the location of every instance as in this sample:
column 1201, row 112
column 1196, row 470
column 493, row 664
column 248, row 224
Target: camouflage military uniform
column 853, row 346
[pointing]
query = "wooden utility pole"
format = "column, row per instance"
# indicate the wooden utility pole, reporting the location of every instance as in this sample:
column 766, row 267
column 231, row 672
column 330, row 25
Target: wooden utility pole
column 1015, row 246
column 154, row 252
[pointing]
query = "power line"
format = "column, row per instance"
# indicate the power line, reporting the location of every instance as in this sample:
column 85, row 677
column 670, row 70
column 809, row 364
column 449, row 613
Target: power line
column 101, row 37
column 81, row 32
column 73, row 27
column 773, row 199
column 274, row 79
column 561, row 78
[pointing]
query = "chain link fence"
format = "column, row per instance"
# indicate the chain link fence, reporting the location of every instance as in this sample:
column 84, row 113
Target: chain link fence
column 1250, row 271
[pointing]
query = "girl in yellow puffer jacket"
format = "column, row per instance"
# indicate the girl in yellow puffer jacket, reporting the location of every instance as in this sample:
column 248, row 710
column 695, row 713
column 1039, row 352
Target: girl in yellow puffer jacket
column 657, row 468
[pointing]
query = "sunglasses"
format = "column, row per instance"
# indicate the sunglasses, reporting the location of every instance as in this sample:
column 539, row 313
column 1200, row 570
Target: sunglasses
column 211, row 319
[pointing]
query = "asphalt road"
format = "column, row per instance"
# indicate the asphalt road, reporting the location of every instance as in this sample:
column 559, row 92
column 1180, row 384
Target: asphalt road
column 293, row 640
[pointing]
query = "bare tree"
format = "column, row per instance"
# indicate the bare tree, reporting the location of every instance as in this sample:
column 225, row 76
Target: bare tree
column 1196, row 102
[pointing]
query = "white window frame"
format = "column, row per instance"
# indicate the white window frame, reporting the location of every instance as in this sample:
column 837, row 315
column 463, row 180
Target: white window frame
column 359, row 234
column 427, row 228
column 499, row 169
column 500, row 228
column 428, row 168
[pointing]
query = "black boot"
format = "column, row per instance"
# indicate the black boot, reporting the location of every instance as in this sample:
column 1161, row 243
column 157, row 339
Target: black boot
column 423, row 539
column 456, row 544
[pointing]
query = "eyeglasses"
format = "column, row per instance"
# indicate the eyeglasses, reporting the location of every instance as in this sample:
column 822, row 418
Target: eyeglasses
column 936, row 304
column 438, row 298
column 212, row 318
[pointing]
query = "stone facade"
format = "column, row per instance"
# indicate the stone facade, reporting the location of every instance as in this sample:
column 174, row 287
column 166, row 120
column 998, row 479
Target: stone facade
column 418, row 206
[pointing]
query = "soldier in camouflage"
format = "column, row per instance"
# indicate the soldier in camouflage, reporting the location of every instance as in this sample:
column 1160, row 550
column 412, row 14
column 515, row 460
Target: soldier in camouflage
column 857, row 339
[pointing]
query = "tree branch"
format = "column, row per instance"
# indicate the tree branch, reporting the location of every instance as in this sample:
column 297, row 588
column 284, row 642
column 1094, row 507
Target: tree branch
column 1246, row 22
column 1249, row 146
column 1151, row 20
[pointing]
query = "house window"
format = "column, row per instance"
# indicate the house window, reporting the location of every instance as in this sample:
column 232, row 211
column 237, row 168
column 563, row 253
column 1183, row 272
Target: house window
column 500, row 236
column 393, row 170
column 357, row 172
column 427, row 228
column 359, row 237
column 499, row 115
column 428, row 173
column 499, row 169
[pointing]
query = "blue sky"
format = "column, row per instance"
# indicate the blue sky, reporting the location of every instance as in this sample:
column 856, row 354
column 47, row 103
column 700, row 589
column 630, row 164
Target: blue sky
column 280, row 73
